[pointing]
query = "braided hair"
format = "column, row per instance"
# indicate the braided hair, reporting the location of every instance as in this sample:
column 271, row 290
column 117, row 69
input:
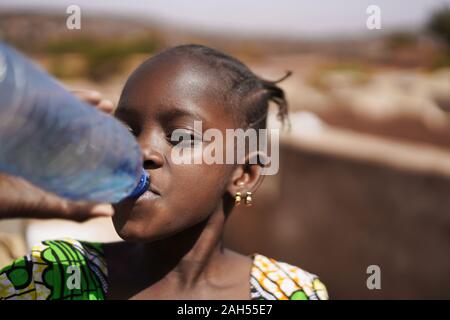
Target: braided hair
column 248, row 93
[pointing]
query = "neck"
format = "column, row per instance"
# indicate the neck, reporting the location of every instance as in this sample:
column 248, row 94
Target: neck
column 189, row 257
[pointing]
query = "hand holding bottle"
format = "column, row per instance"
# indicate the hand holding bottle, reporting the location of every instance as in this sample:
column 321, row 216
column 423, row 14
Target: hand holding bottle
column 21, row 199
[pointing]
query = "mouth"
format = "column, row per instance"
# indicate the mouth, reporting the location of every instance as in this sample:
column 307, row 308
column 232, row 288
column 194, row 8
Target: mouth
column 150, row 194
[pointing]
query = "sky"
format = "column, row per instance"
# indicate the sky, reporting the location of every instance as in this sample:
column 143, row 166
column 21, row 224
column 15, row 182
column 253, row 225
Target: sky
column 314, row 18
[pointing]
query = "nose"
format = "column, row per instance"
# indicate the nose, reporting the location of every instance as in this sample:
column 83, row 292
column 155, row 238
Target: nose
column 152, row 158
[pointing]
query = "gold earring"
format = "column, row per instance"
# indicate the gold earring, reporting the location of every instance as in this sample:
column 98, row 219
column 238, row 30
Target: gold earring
column 237, row 199
column 248, row 199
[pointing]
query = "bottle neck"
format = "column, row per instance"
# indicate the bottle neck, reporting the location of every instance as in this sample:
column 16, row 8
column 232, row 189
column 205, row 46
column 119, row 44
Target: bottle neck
column 142, row 186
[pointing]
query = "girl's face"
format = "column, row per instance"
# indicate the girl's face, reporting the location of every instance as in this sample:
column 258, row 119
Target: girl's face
column 165, row 94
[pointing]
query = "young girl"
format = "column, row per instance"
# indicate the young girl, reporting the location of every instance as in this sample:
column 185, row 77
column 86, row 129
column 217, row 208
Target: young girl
column 173, row 245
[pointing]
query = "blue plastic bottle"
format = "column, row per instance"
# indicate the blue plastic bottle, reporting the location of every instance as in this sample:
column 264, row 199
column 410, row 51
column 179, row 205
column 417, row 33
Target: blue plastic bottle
column 59, row 143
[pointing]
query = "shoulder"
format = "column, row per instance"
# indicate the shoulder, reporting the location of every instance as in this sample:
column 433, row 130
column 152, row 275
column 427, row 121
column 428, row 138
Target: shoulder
column 274, row 280
column 56, row 269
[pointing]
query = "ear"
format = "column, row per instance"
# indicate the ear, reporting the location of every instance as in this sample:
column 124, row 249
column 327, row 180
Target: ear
column 247, row 176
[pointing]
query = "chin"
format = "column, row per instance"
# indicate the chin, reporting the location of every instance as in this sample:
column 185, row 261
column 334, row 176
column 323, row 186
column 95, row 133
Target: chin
column 130, row 233
column 127, row 236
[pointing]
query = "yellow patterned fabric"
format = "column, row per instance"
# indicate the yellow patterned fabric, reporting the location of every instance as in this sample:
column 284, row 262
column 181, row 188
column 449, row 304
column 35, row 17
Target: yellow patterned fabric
column 274, row 280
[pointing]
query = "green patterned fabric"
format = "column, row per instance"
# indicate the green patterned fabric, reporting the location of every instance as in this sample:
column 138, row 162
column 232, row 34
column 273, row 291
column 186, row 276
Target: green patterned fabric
column 57, row 269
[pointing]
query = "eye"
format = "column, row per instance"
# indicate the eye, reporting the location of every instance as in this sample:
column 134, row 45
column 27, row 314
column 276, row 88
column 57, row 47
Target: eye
column 132, row 128
column 184, row 138
column 133, row 132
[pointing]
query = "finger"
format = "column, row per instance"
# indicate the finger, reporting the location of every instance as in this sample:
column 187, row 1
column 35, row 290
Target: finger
column 82, row 212
column 90, row 96
column 21, row 199
column 102, row 209
column 105, row 106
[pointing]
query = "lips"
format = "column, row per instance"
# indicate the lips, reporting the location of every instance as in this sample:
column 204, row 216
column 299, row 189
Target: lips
column 149, row 195
column 153, row 190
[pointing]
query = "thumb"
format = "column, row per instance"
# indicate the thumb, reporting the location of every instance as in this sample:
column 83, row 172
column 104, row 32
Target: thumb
column 102, row 209
column 84, row 211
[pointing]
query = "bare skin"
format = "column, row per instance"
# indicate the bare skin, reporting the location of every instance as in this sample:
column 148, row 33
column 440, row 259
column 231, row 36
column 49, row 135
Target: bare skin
column 199, row 269
column 174, row 246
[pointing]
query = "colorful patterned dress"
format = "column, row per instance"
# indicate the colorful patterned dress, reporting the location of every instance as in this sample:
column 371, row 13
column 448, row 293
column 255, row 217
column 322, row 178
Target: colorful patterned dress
column 76, row 270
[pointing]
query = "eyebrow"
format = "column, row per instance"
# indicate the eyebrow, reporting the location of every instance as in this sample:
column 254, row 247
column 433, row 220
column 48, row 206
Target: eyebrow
column 175, row 112
column 169, row 113
column 124, row 111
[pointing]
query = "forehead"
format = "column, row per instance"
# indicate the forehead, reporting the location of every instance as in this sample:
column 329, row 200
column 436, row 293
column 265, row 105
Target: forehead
column 175, row 83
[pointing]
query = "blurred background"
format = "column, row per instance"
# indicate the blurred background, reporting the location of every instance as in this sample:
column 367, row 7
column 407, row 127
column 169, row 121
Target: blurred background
column 365, row 170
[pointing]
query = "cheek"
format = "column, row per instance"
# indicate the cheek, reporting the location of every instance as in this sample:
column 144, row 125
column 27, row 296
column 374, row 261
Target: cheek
column 197, row 188
column 193, row 192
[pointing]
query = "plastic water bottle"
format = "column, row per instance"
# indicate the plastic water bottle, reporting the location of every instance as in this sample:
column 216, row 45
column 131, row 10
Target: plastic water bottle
column 65, row 146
